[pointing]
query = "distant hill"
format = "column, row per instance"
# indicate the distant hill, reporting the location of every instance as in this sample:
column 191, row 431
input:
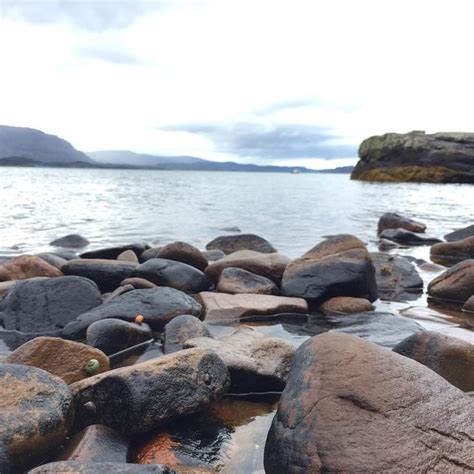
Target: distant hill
column 31, row 144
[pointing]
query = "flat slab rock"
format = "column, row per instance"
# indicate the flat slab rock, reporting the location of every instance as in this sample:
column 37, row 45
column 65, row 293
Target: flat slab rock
column 231, row 309
column 352, row 406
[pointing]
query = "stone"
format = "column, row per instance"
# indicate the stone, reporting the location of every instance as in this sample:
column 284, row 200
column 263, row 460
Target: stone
column 269, row 265
column 231, row 309
column 213, row 255
column 52, row 259
column 391, row 220
column 185, row 253
column 138, row 283
column 338, row 266
column 78, row 467
column 157, row 305
column 449, row 357
column 236, row 280
column 345, row 305
column 112, row 253
column 233, row 243
column 455, row 285
column 71, row 241
column 256, row 363
column 405, row 237
column 173, row 274
column 62, row 358
column 128, row 256
column 114, row 335
column 460, row 234
column 107, row 274
column 49, row 304
column 397, row 278
column 352, row 406
column 469, row 305
column 180, row 329
column 27, row 266
column 450, row 253
column 96, row 443
column 36, row 412
column 141, row 397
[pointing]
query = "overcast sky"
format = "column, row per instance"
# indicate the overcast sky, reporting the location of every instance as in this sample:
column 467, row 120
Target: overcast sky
column 275, row 82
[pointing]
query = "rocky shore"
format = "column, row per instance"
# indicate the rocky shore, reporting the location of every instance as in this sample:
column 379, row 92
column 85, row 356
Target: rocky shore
column 237, row 358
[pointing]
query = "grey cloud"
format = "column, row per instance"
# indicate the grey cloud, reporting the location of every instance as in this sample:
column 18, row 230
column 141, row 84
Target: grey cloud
column 280, row 141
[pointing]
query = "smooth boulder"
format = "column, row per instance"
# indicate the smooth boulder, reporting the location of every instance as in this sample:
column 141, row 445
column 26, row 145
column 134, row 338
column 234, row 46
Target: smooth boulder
column 27, row 266
column 392, row 220
column 236, row 280
column 180, row 329
column 449, row 253
column 233, row 243
column 455, row 285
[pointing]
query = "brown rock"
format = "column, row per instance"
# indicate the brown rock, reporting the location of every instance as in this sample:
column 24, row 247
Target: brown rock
column 65, row 359
column 449, row 253
column 269, row 265
column 27, row 266
column 138, row 283
column 230, row 309
column 352, row 406
column 237, row 280
column 346, row 305
column 185, row 253
column 456, row 284
column 391, row 220
column 128, row 256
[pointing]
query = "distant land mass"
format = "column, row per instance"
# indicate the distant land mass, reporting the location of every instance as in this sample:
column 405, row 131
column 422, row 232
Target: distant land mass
column 28, row 147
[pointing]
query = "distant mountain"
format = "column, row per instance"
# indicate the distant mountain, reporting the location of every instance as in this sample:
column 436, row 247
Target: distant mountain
column 31, row 144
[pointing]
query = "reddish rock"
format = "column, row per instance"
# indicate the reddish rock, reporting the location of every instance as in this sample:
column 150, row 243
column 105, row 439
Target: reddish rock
column 27, row 266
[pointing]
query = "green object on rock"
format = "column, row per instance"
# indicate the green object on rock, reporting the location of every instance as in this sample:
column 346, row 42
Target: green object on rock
column 92, row 366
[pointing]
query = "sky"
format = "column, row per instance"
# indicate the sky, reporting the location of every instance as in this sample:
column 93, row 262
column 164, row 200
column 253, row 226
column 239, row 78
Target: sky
column 298, row 83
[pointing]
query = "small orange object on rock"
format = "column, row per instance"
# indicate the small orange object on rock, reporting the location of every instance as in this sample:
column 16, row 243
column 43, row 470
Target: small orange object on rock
column 139, row 319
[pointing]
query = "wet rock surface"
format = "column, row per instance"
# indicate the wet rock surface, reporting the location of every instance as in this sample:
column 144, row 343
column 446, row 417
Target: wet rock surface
column 180, row 329
column 406, row 237
column 451, row 253
column 392, row 220
column 237, row 280
column 27, row 266
column 352, row 406
column 233, row 243
column 345, row 305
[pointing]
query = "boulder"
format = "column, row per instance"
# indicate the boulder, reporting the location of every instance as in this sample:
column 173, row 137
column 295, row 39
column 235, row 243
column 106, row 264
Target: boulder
column 107, row 274
column 338, row 266
column 455, row 285
column 233, row 243
column 64, row 359
column 269, row 265
column 256, row 363
column 36, row 411
column 114, row 335
column 173, row 274
column 405, row 237
column 213, row 255
column 78, row 467
column 352, row 406
column 112, row 253
column 27, row 266
column 158, row 306
column 71, row 241
column 391, row 220
column 231, row 309
column 96, row 443
column 449, row 357
column 236, row 280
column 460, row 234
column 345, row 305
column 138, row 283
column 180, row 329
column 128, row 256
column 397, row 279
column 185, row 253
column 49, row 304
column 139, row 398
column 449, row 253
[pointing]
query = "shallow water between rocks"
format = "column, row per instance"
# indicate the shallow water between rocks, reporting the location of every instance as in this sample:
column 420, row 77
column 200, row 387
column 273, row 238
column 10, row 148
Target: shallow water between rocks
column 292, row 211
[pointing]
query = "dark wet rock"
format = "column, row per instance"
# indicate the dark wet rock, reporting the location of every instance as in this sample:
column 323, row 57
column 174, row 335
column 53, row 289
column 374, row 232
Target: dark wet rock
column 449, row 253
column 345, row 305
column 158, row 306
column 180, row 329
column 79, row 467
column 455, row 284
column 71, row 241
column 236, row 280
column 64, row 359
column 351, row 406
column 113, row 335
column 107, row 274
column 49, row 304
column 469, row 305
column 185, row 253
column 121, row 290
column 173, row 274
column 36, row 411
column 233, row 243
column 256, row 363
column 231, row 309
column 449, row 357
column 138, row 283
column 112, row 253
column 128, row 256
column 213, row 255
column 27, row 266
column 338, row 266
column 391, row 220
column 269, row 265
column 460, row 234
column 397, row 278
column 405, row 237
column 52, row 259
column 96, row 443
column 142, row 397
